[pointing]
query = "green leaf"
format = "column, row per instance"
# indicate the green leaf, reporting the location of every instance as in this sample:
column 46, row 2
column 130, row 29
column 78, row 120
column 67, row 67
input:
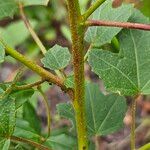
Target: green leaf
column 4, row 144
column 24, row 130
column 56, row 58
column 7, row 117
column 34, row 2
column 22, row 96
column 7, row 8
column 2, row 53
column 61, row 142
column 126, row 73
column 69, row 81
column 145, row 8
column 104, row 113
column 17, row 37
column 33, row 119
column 98, row 36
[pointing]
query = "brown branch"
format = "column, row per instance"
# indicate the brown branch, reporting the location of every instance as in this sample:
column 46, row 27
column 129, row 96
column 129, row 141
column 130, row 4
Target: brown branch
column 127, row 25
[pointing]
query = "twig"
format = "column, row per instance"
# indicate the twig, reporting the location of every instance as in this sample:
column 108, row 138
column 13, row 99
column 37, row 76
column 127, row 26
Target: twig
column 31, row 30
column 47, row 110
column 127, row 25
column 35, row 144
column 92, row 9
column 28, row 86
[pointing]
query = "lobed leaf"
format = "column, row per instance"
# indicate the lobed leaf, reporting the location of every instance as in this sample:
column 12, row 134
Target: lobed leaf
column 56, row 58
column 104, row 113
column 97, row 36
column 127, row 72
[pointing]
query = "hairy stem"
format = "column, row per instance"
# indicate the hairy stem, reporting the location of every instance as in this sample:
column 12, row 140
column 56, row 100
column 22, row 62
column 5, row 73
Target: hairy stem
column 92, row 9
column 127, row 25
column 77, row 33
column 132, row 137
column 31, row 30
column 35, row 144
column 47, row 110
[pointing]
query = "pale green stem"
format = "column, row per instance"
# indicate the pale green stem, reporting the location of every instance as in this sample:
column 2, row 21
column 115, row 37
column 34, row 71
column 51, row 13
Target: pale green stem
column 93, row 7
column 47, row 110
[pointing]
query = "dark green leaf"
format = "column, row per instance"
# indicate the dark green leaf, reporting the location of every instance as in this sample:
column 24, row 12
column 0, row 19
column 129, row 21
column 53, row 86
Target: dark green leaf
column 30, row 115
column 56, row 58
column 24, row 130
column 126, row 73
column 98, row 36
column 61, row 142
column 7, row 117
column 104, row 113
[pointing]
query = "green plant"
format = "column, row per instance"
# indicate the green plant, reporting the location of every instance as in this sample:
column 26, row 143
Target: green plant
column 125, row 73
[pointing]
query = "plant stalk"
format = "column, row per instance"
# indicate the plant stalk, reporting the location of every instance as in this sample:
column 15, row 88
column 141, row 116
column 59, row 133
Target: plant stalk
column 93, row 7
column 77, row 33
column 127, row 25
column 132, row 137
column 35, row 144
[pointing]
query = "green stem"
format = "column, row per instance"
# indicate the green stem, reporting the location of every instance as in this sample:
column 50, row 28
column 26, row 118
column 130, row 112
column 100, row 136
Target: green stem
column 145, row 147
column 28, row 86
column 92, row 9
column 47, row 110
column 132, row 137
column 36, row 68
column 77, row 33
column 35, row 144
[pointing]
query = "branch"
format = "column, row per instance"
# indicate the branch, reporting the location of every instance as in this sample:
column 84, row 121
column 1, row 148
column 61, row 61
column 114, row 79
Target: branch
column 127, row 25
column 92, row 9
column 28, row 86
column 35, row 144
column 34, row 67
column 31, row 30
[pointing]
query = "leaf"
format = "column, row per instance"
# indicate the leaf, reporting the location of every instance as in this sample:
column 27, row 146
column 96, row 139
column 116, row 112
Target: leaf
column 17, row 37
column 69, row 81
column 33, row 119
column 7, row 8
column 4, row 144
column 98, row 36
column 22, row 96
column 145, row 8
column 56, row 58
column 61, row 142
column 24, row 130
column 7, row 117
column 34, row 2
column 128, row 72
column 2, row 53
column 104, row 113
